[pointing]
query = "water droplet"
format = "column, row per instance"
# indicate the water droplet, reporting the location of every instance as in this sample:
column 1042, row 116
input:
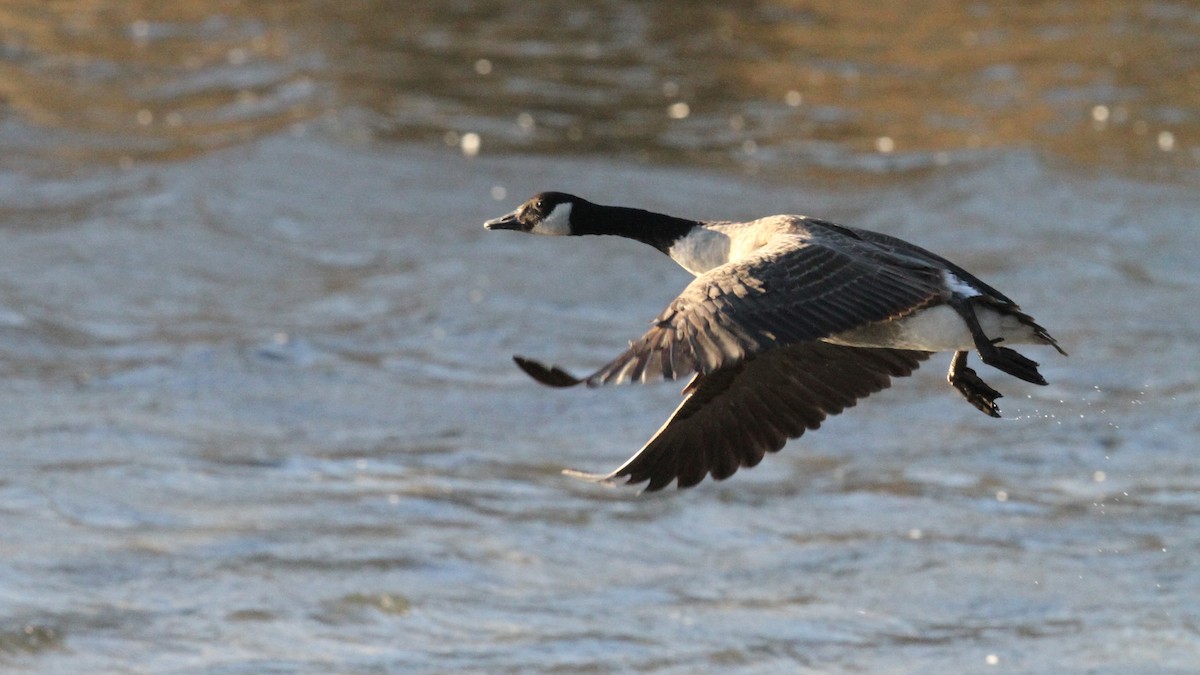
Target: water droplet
column 470, row 144
column 885, row 144
column 483, row 67
column 793, row 98
column 679, row 110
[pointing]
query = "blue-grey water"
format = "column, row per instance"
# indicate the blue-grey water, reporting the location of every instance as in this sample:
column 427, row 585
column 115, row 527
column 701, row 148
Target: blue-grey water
column 257, row 412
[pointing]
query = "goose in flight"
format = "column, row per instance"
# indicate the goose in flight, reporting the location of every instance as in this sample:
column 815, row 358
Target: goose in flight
column 789, row 319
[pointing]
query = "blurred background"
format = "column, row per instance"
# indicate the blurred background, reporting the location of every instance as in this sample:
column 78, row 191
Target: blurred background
column 258, row 412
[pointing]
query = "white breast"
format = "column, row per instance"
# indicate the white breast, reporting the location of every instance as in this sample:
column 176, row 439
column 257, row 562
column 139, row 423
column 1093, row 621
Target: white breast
column 718, row 243
column 701, row 250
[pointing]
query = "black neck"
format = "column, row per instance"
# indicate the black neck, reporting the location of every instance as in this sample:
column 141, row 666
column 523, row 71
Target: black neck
column 658, row 230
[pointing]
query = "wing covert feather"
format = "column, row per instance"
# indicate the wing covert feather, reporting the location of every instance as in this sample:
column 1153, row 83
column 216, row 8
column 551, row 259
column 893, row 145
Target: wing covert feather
column 791, row 291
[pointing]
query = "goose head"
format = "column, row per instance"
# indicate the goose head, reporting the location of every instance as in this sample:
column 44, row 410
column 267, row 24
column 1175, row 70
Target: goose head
column 544, row 213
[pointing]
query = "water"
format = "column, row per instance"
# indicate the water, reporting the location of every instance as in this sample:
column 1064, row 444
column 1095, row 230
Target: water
column 258, row 412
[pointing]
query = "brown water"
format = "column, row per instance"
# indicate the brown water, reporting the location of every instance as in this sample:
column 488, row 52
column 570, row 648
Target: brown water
column 258, row 412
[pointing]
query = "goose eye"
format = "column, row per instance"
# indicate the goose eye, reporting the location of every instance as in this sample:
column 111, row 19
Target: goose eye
column 540, row 205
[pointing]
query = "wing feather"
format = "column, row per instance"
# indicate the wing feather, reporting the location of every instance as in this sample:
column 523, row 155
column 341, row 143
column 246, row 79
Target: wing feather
column 791, row 291
column 733, row 417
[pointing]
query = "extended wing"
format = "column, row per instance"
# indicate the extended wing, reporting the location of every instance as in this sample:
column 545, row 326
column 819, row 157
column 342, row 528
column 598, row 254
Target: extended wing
column 731, row 418
column 789, row 292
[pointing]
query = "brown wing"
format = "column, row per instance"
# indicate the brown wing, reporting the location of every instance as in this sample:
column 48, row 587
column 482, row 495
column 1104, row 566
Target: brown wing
column 732, row 417
column 791, row 291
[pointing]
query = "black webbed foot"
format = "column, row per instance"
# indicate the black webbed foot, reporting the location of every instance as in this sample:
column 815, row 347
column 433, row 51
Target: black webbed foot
column 975, row 390
column 1000, row 358
column 1013, row 363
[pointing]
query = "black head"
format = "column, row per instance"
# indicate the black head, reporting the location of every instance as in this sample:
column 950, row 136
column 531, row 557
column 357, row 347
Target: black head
column 544, row 213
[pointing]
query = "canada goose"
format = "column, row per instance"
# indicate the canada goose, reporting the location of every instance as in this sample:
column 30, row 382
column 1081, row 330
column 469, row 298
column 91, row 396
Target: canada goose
column 789, row 319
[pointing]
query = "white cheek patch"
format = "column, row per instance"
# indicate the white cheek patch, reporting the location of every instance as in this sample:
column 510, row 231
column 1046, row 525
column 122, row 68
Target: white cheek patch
column 557, row 222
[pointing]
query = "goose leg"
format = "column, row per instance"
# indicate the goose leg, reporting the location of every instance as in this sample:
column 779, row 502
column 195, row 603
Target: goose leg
column 1000, row 358
column 975, row 390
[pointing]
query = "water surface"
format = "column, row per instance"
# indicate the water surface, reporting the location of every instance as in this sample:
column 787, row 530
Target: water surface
column 258, row 412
